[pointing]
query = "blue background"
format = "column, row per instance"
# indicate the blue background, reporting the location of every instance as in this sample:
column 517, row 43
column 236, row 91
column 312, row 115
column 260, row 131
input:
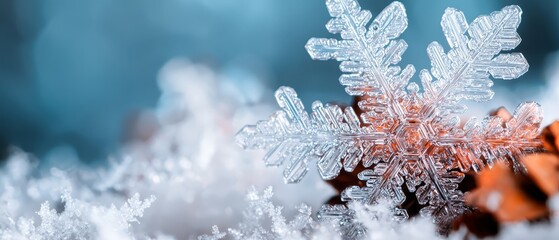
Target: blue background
column 72, row 71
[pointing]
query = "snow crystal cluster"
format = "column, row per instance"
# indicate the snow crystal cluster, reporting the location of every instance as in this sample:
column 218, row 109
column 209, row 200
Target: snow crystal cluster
column 377, row 220
column 60, row 215
column 407, row 139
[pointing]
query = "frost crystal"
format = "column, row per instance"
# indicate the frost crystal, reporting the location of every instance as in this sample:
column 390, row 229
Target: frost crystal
column 406, row 139
column 261, row 209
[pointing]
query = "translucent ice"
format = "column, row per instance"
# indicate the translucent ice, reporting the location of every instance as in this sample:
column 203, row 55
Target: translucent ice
column 406, row 138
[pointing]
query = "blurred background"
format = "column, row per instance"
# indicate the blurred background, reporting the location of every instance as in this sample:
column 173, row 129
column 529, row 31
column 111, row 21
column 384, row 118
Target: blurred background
column 73, row 71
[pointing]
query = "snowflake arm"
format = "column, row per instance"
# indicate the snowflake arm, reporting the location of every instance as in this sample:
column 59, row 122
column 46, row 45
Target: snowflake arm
column 463, row 72
column 368, row 56
column 330, row 134
column 327, row 135
column 494, row 139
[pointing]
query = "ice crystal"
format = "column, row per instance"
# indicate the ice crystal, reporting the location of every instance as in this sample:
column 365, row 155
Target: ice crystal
column 263, row 219
column 406, row 138
column 82, row 220
column 261, row 209
column 61, row 205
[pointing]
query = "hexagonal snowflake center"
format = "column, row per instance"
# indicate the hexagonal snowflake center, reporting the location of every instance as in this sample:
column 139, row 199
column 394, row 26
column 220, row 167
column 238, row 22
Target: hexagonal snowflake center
column 411, row 138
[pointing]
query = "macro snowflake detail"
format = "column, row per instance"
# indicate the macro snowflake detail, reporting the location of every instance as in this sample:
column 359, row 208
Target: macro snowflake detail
column 405, row 138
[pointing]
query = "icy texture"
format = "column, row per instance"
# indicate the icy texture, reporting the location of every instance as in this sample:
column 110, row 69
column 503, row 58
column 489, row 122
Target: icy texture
column 260, row 209
column 62, row 216
column 78, row 220
column 405, row 138
column 367, row 222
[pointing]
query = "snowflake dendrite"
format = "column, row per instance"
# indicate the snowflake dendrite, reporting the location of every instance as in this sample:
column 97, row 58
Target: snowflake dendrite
column 405, row 138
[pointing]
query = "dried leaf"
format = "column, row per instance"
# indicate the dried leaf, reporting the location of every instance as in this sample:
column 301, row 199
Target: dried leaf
column 479, row 223
column 543, row 168
column 504, row 194
column 550, row 137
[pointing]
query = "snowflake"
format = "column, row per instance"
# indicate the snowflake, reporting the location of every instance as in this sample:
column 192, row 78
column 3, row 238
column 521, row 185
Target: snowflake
column 406, row 139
